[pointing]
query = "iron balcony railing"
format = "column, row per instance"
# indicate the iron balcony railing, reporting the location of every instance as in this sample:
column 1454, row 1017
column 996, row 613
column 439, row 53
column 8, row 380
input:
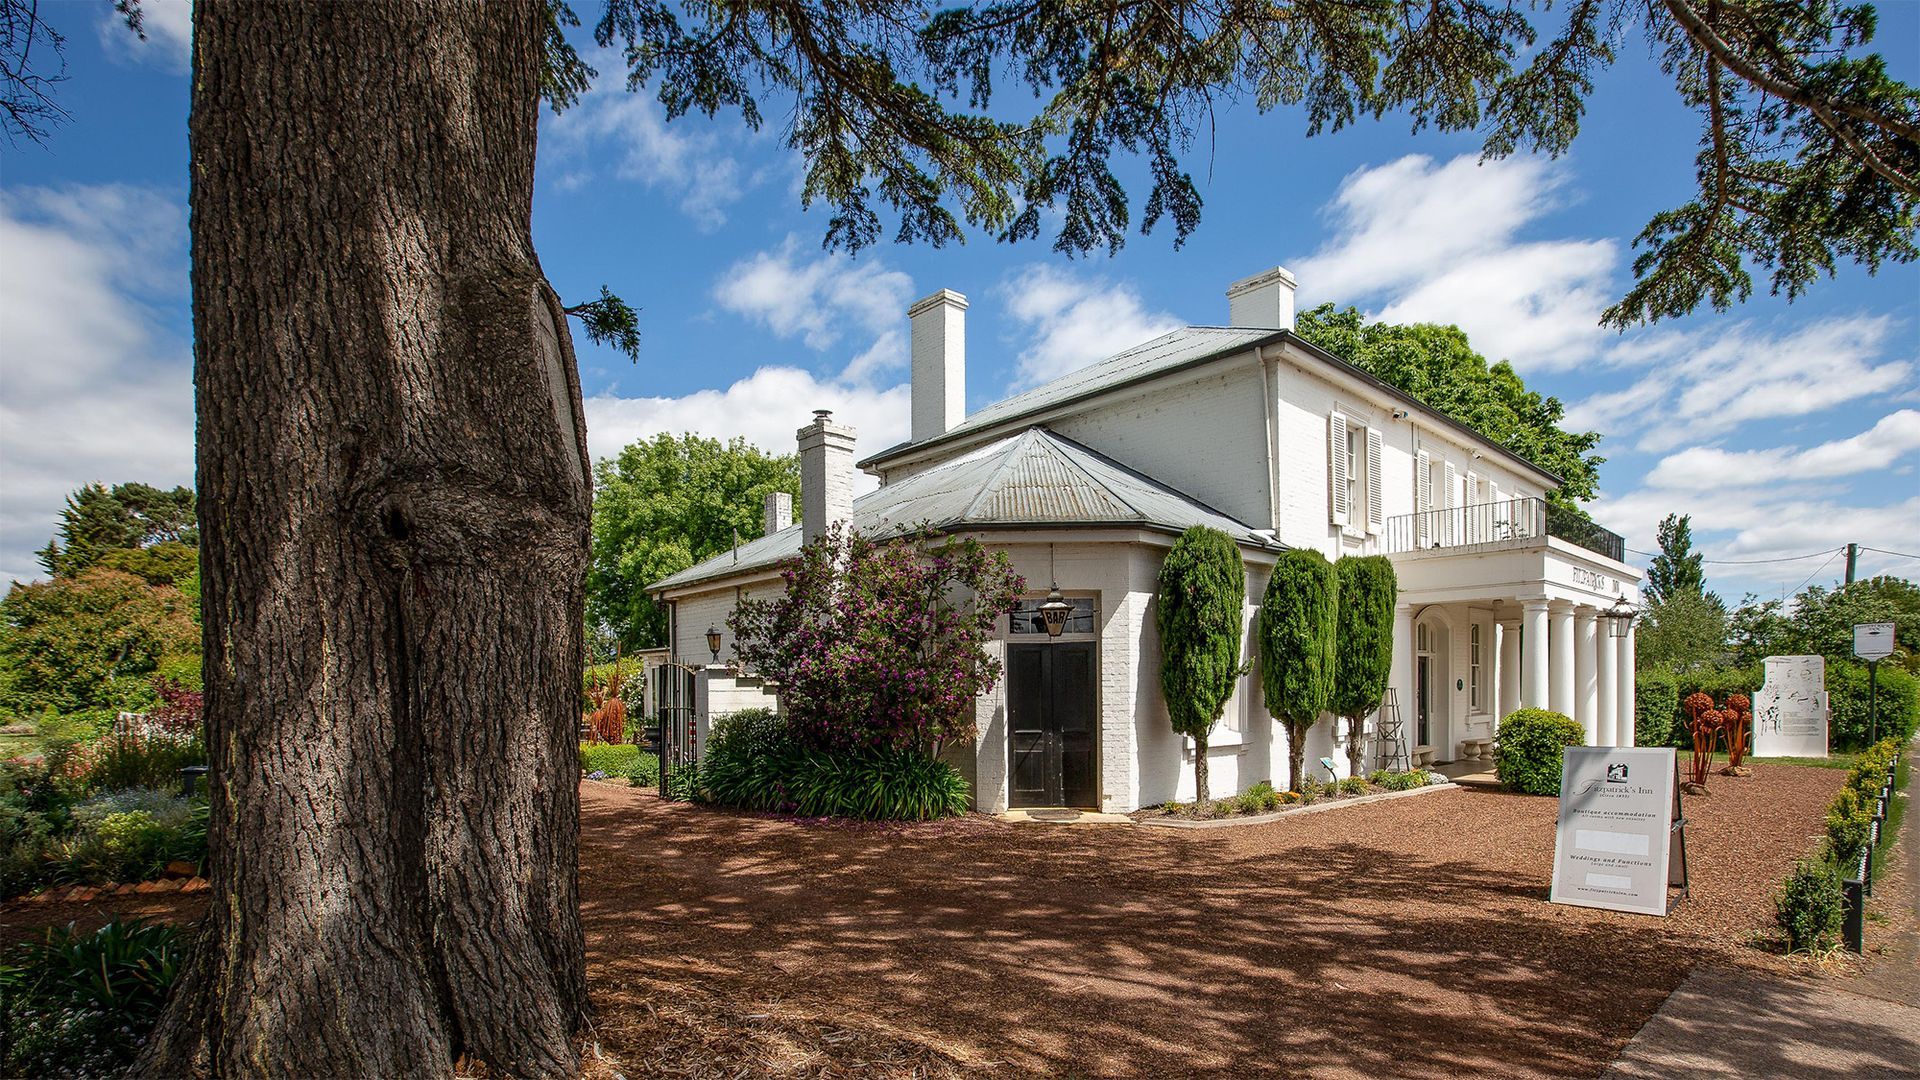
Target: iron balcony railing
column 1497, row 523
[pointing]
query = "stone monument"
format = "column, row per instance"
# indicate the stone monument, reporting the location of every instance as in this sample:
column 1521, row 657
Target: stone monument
column 1790, row 712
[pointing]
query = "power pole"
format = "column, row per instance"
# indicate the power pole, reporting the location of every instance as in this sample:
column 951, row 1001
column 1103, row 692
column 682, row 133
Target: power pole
column 1853, row 558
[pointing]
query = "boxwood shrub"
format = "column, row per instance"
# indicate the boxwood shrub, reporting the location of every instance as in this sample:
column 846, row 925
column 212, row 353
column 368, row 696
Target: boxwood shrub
column 1810, row 905
column 1532, row 742
column 614, row 759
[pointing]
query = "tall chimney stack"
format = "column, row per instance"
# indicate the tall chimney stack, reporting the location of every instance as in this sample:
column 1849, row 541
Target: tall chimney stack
column 1263, row 301
column 826, row 475
column 939, row 363
column 779, row 512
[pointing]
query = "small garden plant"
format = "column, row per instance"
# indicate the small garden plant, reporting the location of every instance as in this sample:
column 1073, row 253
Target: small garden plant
column 1532, row 744
column 1261, row 798
column 81, row 1004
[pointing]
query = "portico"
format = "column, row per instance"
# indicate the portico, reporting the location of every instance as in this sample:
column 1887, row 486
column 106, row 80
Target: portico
column 1517, row 621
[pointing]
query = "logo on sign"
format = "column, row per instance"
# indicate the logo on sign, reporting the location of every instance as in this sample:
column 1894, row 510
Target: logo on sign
column 1616, row 772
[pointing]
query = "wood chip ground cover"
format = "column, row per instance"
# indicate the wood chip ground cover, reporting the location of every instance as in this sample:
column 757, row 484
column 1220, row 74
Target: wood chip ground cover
column 1410, row 937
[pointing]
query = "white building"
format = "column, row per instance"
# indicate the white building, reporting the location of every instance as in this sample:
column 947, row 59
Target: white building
column 1086, row 482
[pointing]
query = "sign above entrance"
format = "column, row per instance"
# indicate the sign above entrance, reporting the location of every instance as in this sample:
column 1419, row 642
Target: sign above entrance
column 1618, row 845
column 1873, row 640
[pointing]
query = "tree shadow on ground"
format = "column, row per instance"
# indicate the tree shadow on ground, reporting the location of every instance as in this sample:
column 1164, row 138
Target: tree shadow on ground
column 1404, row 943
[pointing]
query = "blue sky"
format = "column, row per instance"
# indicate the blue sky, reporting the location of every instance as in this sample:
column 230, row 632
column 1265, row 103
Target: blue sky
column 1784, row 429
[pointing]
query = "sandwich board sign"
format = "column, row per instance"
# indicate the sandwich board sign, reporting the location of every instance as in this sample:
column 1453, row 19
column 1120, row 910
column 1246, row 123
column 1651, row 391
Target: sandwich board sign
column 1873, row 640
column 1790, row 713
column 1620, row 842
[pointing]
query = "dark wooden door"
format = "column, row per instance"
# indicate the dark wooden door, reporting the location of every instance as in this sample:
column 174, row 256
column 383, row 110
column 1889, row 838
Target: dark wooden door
column 1051, row 724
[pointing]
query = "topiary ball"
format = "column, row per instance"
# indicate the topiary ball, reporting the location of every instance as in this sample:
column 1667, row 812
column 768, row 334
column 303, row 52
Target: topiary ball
column 1531, row 745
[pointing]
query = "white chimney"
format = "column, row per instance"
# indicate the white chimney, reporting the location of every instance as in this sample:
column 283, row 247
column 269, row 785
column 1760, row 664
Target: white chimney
column 1263, row 301
column 826, row 475
column 939, row 363
column 779, row 512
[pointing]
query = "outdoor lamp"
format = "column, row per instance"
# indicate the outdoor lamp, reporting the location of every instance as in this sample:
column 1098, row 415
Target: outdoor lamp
column 713, row 642
column 1619, row 617
column 1054, row 612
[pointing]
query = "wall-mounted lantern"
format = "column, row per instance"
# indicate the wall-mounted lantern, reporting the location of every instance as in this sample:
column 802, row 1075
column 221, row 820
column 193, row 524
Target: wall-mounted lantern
column 1054, row 613
column 713, row 642
column 1619, row 617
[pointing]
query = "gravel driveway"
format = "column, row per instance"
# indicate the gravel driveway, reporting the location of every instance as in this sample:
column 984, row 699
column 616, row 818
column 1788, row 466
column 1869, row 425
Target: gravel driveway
column 1403, row 938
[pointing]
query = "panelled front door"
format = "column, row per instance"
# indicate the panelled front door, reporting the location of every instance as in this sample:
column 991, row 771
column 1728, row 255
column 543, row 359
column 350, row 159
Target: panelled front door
column 1051, row 725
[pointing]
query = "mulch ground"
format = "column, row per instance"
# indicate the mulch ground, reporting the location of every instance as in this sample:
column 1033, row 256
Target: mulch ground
column 1410, row 937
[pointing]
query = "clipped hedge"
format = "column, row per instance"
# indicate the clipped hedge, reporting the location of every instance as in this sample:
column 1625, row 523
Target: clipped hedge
column 1809, row 906
column 1532, row 743
column 1656, row 707
column 1847, row 693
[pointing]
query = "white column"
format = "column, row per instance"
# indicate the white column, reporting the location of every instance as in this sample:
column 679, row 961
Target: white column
column 1509, row 678
column 1624, row 676
column 1586, row 687
column 1608, row 654
column 1533, row 656
column 1560, row 678
column 1400, row 675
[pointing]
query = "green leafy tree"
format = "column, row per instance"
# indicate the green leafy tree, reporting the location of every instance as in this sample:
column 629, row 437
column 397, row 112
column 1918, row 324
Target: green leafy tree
column 1758, row 629
column 664, row 504
column 1684, row 631
column 97, row 520
column 1437, row 365
column 1363, row 646
column 1299, row 617
column 1203, row 593
column 78, row 642
column 1678, row 568
column 169, row 562
column 1823, row 619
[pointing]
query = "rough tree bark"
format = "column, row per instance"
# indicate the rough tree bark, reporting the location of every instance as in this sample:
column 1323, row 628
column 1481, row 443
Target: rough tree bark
column 394, row 504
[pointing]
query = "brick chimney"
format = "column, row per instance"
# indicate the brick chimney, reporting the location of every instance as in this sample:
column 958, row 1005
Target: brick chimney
column 939, row 363
column 779, row 512
column 1263, row 301
column 826, row 475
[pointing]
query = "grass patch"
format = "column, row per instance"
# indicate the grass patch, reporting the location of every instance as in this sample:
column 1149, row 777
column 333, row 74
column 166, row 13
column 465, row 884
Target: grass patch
column 1896, row 812
column 1836, row 761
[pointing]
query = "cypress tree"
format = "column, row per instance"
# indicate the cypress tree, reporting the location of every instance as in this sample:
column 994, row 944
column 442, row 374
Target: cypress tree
column 1363, row 645
column 1203, row 590
column 1297, row 620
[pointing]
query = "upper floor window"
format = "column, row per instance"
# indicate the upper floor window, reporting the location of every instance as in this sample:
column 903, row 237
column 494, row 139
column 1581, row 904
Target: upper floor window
column 1355, row 496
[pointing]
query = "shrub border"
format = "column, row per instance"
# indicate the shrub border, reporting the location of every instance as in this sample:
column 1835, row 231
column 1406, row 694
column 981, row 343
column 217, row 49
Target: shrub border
column 1310, row 808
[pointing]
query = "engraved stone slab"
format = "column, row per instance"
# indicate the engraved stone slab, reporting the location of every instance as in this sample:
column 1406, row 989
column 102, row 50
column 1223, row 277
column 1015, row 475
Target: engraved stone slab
column 1790, row 712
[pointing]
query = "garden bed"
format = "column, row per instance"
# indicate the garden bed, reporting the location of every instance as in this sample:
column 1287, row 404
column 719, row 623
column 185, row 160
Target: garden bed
column 1263, row 802
column 1158, row 817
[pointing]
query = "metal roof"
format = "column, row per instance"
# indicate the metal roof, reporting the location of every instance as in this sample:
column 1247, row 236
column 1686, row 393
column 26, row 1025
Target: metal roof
column 1036, row 479
column 1188, row 346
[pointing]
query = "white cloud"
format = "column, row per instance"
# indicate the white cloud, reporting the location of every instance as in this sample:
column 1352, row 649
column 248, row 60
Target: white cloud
column 766, row 407
column 168, row 26
column 1074, row 321
column 1438, row 243
column 1705, row 468
column 92, row 387
column 688, row 159
column 1701, row 384
column 816, row 297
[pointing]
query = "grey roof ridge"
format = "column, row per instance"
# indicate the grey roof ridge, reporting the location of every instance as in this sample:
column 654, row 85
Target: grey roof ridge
column 1277, row 335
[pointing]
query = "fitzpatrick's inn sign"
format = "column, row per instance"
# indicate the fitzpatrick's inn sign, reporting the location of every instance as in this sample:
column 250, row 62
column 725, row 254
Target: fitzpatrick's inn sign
column 1589, row 579
column 1617, row 846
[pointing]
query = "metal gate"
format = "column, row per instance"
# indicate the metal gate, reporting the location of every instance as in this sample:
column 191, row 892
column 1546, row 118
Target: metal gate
column 673, row 707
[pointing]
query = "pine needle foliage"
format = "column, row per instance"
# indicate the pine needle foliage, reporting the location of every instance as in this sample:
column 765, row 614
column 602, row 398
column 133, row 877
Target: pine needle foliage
column 1363, row 645
column 1203, row 592
column 1298, row 621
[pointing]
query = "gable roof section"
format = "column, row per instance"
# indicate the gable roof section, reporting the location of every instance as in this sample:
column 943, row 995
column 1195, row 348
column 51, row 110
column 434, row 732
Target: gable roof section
column 1185, row 348
column 1035, row 479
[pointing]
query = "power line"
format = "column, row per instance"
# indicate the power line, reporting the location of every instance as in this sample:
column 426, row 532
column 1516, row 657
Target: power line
column 1816, row 573
column 1757, row 562
column 1895, row 554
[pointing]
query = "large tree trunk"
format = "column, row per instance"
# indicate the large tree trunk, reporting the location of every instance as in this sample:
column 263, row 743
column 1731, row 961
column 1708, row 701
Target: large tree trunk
column 394, row 505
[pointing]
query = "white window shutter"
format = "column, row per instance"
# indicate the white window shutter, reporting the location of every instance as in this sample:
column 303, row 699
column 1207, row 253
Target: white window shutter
column 1337, row 467
column 1472, row 522
column 1422, row 497
column 1450, row 498
column 1376, row 498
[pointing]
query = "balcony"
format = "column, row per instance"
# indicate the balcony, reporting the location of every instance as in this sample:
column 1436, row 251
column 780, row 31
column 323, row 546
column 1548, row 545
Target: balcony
column 1507, row 523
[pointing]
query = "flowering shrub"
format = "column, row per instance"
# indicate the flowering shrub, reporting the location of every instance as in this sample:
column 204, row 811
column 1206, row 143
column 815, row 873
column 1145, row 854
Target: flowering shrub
column 179, row 710
column 881, row 645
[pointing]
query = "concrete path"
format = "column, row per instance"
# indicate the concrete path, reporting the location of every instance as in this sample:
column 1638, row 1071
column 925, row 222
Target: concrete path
column 1725, row 1022
column 1728, row 1022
